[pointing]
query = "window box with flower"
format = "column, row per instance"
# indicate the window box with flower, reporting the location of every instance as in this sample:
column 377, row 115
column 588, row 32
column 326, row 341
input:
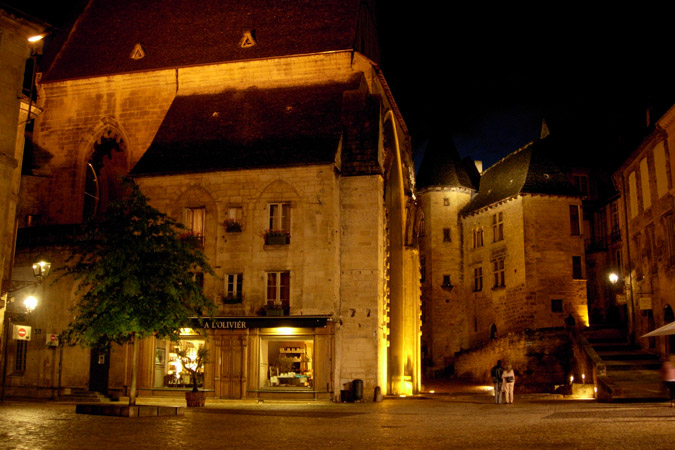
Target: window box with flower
column 277, row 237
column 232, row 226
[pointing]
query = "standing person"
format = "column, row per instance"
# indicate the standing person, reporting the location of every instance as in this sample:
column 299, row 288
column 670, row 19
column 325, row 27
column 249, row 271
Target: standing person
column 496, row 373
column 508, row 381
column 668, row 374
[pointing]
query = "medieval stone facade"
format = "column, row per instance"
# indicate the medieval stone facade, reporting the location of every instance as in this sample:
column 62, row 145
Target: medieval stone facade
column 502, row 257
column 645, row 283
column 282, row 148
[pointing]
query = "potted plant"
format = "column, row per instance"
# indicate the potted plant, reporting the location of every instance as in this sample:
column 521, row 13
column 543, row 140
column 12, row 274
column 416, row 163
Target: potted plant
column 232, row 226
column 276, row 237
column 194, row 365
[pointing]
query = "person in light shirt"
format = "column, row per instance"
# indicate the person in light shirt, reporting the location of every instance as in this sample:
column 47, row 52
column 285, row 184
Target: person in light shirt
column 668, row 375
column 508, row 381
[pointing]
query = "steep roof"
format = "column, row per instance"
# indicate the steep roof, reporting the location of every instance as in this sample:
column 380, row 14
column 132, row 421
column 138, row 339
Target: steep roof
column 529, row 170
column 178, row 33
column 442, row 166
column 254, row 128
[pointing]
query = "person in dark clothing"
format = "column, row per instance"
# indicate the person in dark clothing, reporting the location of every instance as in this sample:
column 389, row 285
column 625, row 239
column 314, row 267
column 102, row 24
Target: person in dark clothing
column 496, row 373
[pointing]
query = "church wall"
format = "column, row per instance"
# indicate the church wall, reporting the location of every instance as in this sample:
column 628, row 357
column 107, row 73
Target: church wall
column 361, row 338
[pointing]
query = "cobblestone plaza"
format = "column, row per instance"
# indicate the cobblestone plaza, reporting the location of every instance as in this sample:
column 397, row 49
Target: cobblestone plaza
column 442, row 421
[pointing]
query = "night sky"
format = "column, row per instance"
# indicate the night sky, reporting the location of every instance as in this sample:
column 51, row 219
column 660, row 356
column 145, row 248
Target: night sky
column 487, row 77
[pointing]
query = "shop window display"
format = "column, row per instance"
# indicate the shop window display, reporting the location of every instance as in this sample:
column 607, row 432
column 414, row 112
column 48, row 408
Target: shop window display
column 169, row 371
column 286, row 363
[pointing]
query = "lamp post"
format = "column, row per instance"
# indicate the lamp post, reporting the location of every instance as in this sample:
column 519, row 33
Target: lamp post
column 41, row 270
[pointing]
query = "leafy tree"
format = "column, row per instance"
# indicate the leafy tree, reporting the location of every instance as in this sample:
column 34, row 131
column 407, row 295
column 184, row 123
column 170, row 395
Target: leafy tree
column 135, row 269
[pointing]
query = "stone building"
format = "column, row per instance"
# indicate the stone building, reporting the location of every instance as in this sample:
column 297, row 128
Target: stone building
column 16, row 106
column 504, row 257
column 269, row 130
column 645, row 284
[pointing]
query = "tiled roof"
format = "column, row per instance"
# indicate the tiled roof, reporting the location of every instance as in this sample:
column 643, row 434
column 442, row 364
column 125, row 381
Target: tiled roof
column 529, row 170
column 178, row 33
column 441, row 166
column 254, row 128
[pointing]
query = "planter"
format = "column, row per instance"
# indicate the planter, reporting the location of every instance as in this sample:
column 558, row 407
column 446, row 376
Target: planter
column 274, row 312
column 195, row 399
column 276, row 240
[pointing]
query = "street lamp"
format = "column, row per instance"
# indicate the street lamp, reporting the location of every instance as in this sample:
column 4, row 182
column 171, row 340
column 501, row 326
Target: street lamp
column 41, row 270
column 613, row 278
column 30, row 303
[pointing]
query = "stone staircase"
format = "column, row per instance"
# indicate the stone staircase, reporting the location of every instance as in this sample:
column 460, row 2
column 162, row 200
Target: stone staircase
column 82, row 396
column 631, row 373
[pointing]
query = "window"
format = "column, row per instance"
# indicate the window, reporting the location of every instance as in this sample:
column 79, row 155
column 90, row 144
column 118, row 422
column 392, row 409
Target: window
column 233, row 220
column 233, row 284
column 650, row 247
column 477, row 279
column 286, row 362
column 278, row 224
column 614, row 213
column 498, row 272
column 446, row 201
column 278, row 289
column 446, row 281
column 661, row 166
column 632, row 194
column 477, row 237
column 581, row 183
column 644, row 181
column 446, row 234
column 574, row 220
column 556, row 305
column 577, row 272
column 20, row 361
column 194, row 219
column 199, row 279
column 497, row 227
column 669, row 233
column 169, row 372
column 423, row 269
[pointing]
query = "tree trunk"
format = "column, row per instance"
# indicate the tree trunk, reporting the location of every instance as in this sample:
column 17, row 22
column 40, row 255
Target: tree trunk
column 134, row 371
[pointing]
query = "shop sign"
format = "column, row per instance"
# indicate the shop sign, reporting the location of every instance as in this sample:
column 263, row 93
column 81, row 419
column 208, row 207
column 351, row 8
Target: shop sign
column 243, row 323
column 225, row 324
column 21, row 333
column 645, row 302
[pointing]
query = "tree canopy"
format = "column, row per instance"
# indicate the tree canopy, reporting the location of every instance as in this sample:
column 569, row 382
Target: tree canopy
column 136, row 271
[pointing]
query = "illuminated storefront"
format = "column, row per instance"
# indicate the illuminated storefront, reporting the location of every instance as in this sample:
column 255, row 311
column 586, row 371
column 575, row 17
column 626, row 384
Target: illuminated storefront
column 254, row 357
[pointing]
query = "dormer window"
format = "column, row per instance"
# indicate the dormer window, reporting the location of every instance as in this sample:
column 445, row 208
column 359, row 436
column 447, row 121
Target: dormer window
column 248, row 40
column 138, row 52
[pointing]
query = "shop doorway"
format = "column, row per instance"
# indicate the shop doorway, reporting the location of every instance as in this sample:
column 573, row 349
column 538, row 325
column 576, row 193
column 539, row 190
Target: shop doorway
column 99, row 365
column 231, row 368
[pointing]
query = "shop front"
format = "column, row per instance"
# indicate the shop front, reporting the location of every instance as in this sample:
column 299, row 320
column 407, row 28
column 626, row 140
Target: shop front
column 252, row 357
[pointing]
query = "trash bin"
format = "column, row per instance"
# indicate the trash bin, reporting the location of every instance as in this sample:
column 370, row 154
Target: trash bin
column 357, row 390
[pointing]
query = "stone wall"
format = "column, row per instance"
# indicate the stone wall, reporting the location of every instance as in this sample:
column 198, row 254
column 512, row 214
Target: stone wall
column 541, row 359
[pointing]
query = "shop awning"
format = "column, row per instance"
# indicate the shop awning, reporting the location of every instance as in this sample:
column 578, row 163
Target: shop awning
column 242, row 323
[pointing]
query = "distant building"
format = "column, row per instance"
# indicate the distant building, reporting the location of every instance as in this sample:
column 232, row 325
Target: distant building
column 645, row 284
column 270, row 132
column 501, row 254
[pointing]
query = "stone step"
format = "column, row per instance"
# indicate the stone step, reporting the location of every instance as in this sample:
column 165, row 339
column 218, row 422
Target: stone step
column 80, row 395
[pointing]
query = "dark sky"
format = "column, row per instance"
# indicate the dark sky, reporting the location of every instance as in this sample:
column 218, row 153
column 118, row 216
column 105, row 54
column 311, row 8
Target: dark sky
column 489, row 77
